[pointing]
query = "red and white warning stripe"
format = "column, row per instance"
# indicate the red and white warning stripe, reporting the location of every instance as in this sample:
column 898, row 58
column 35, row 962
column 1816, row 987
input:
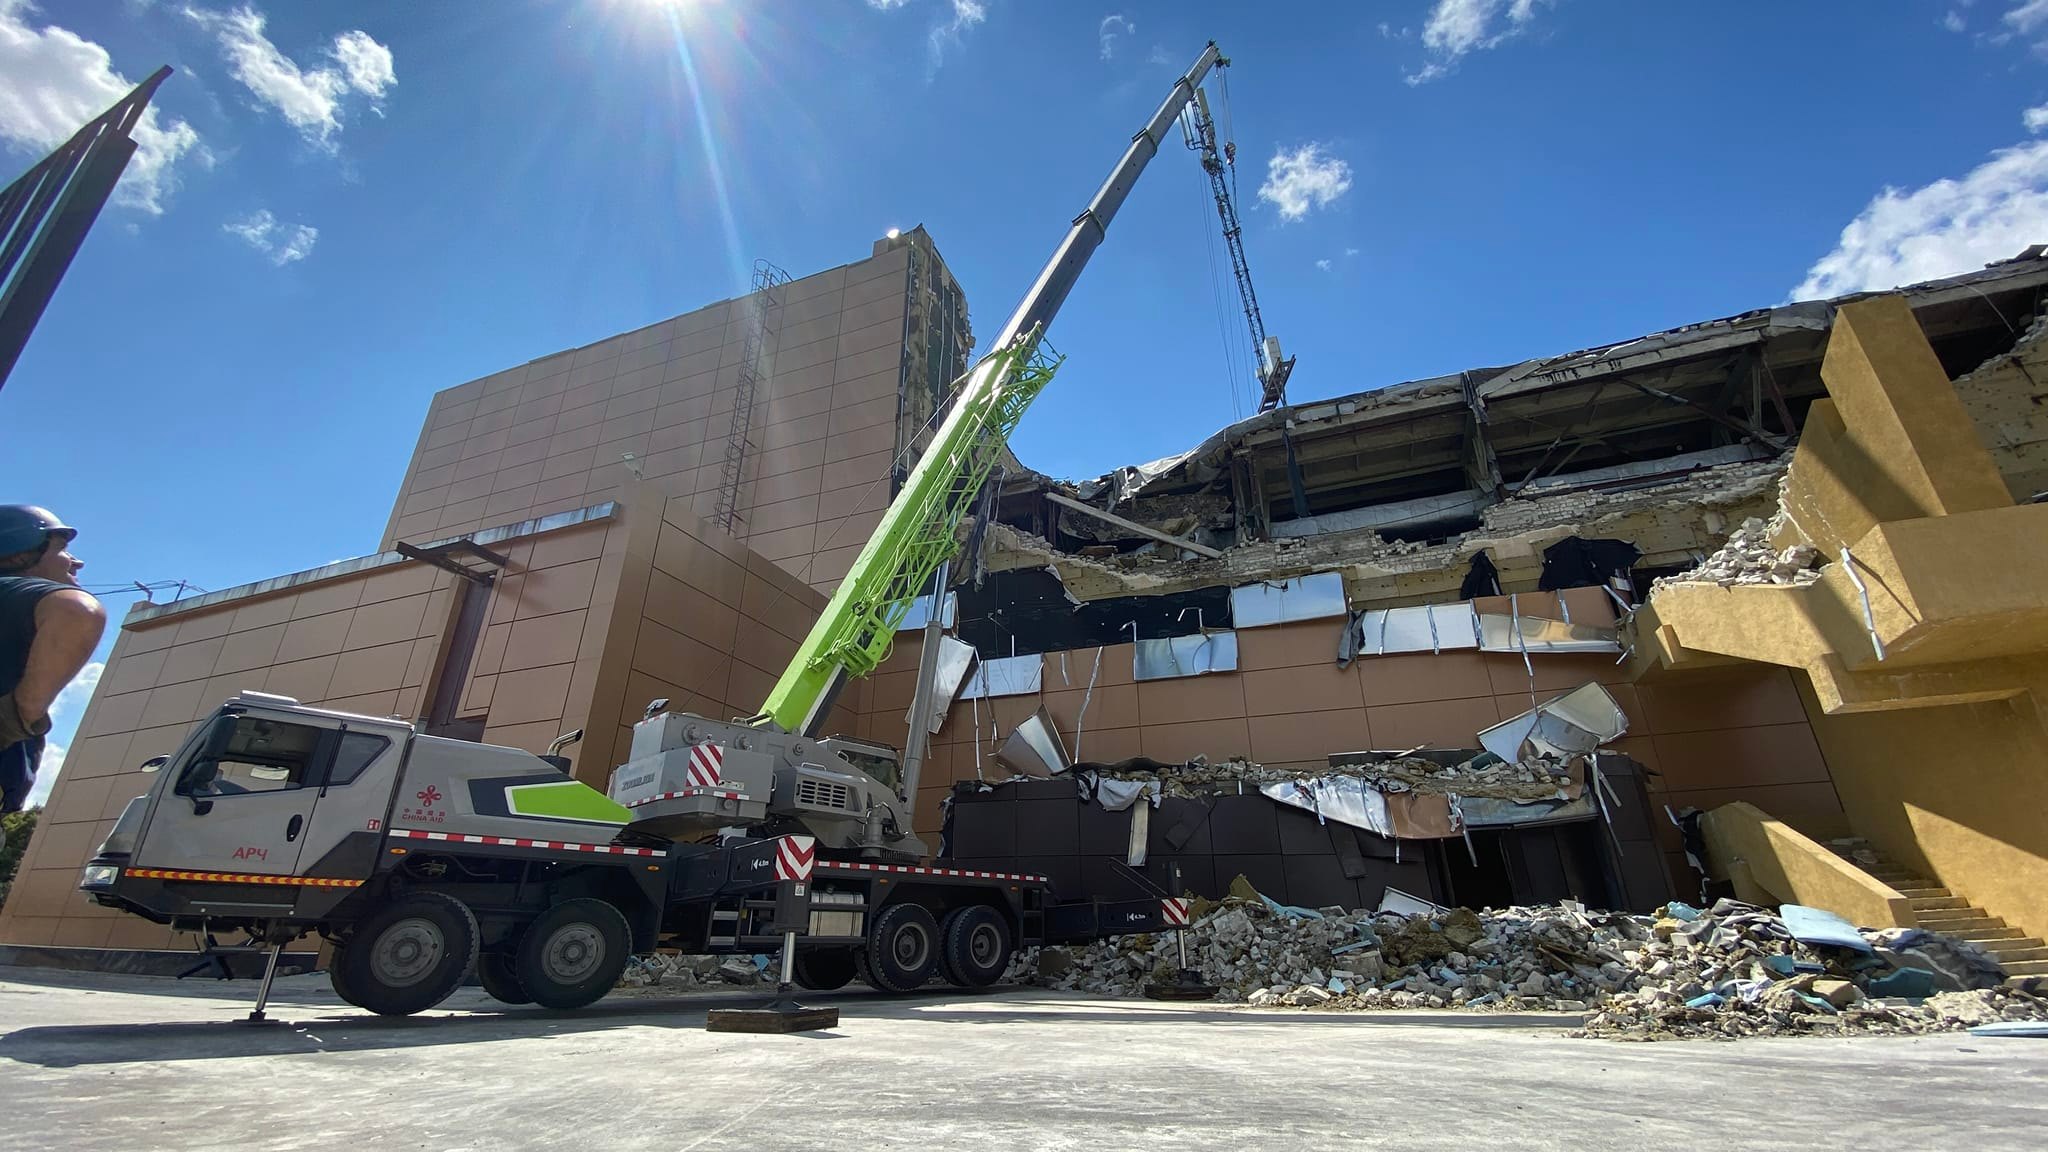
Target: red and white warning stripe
column 857, row 866
column 715, row 793
column 521, row 842
column 795, row 856
column 705, row 761
column 1175, row 911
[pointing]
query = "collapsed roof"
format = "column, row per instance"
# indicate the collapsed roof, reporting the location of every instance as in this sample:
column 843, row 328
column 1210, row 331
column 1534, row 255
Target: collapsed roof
column 1669, row 440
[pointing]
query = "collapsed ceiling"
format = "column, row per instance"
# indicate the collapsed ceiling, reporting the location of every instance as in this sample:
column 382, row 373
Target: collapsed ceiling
column 1667, row 441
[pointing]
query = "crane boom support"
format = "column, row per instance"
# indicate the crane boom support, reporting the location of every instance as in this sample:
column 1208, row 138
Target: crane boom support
column 916, row 534
column 1272, row 370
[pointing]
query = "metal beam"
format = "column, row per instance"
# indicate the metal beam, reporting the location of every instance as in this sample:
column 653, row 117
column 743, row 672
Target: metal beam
column 1132, row 526
column 1709, row 413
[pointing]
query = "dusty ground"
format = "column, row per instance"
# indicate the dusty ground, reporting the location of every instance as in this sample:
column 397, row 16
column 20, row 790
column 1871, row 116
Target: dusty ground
column 114, row 1062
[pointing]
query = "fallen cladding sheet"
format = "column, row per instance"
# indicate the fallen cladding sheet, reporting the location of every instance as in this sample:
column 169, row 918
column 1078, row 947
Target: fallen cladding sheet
column 1575, row 723
column 955, row 657
column 1424, row 628
column 1034, row 747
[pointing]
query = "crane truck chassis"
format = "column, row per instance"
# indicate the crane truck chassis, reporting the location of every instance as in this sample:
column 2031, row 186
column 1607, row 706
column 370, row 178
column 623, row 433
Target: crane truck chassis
column 419, row 858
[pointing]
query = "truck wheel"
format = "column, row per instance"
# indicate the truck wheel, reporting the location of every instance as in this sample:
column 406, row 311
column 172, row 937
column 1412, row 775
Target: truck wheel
column 407, row 956
column 494, row 972
column 903, row 948
column 824, row 969
column 976, row 950
column 573, row 953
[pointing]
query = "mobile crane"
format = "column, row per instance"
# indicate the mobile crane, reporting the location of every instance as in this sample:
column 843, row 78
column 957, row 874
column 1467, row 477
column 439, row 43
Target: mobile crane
column 419, row 857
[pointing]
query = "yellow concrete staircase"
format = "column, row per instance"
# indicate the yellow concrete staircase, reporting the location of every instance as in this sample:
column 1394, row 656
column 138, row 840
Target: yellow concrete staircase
column 1939, row 910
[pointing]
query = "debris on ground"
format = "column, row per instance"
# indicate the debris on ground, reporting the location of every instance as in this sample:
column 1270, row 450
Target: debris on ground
column 669, row 971
column 1749, row 558
column 1729, row 971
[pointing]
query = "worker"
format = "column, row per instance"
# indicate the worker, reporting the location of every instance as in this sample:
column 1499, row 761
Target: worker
column 49, row 627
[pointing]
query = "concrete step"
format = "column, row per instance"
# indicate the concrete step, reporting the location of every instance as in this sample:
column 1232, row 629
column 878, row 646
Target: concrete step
column 1961, row 925
column 2025, row 949
column 2027, row 968
column 1934, row 903
column 1985, row 935
column 1924, row 893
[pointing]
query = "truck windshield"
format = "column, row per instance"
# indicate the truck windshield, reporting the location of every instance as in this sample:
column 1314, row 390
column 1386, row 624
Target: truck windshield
column 882, row 768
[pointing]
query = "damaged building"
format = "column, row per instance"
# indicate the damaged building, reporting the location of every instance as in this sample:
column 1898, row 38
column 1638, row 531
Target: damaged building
column 1407, row 569
column 1465, row 639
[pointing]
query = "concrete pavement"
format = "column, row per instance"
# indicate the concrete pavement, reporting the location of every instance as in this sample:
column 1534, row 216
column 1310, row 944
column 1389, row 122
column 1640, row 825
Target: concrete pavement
column 106, row 1062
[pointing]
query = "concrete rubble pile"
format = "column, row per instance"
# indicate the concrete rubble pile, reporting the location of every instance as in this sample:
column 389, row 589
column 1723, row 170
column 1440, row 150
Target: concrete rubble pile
column 1482, row 775
column 1749, row 558
column 668, row 971
column 1731, row 971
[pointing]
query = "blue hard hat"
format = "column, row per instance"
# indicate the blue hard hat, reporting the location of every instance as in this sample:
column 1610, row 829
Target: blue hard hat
column 25, row 528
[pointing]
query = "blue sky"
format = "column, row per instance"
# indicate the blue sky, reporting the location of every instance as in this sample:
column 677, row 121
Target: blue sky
column 342, row 208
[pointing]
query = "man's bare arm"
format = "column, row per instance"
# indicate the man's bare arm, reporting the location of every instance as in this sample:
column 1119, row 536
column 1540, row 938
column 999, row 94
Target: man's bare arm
column 68, row 627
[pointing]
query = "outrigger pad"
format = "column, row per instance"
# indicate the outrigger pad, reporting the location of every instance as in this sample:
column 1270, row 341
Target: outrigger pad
column 776, row 1018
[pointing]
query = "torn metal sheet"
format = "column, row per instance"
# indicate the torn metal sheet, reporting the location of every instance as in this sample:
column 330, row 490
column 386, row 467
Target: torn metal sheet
column 1004, row 676
column 1172, row 657
column 1500, row 633
column 1345, row 799
column 1034, row 747
column 1425, row 628
column 920, row 612
column 955, row 657
column 1285, row 601
column 1402, row 904
column 1820, row 926
column 1491, row 812
column 1575, row 723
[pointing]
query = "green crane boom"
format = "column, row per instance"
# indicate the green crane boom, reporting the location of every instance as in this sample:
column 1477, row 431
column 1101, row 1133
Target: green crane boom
column 917, row 533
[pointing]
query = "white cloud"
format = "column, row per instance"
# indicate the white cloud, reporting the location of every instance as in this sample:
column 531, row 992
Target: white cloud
column 309, row 99
column 1945, row 228
column 1113, row 26
column 1456, row 27
column 2027, row 16
column 886, row 5
column 1158, row 55
column 951, row 33
column 283, row 243
column 52, row 81
column 1323, row 264
column 1351, row 252
column 367, row 63
column 1952, row 20
column 1304, row 178
column 64, row 712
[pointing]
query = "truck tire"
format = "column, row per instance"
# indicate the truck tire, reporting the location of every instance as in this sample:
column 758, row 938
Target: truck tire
column 825, row 969
column 408, row 955
column 494, row 971
column 573, row 953
column 337, row 975
column 903, row 948
column 976, row 950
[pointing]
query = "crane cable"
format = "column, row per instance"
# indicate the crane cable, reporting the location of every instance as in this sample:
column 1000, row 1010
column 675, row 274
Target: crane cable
column 1229, row 347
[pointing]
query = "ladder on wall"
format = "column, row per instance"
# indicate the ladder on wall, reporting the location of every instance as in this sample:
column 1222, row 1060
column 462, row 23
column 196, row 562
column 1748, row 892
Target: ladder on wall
column 769, row 281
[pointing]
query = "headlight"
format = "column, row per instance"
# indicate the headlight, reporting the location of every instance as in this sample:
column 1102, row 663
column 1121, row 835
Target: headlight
column 99, row 876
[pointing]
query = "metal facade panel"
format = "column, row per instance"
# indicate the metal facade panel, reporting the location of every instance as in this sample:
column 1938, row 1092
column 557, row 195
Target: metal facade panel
column 1285, row 601
column 1172, row 657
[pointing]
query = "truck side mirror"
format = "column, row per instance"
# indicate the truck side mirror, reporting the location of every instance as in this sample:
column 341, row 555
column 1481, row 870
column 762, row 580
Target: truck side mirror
column 154, row 764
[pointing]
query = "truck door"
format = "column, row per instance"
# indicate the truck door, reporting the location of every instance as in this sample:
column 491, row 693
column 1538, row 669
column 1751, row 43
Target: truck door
column 242, row 802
